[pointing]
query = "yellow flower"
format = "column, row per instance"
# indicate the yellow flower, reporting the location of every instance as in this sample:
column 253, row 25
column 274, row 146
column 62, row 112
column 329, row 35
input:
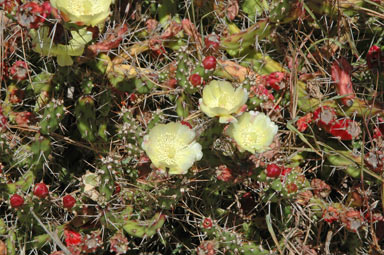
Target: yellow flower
column 221, row 100
column 172, row 146
column 253, row 132
column 85, row 12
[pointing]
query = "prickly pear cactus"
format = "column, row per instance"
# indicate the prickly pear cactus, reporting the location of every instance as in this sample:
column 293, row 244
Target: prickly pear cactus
column 191, row 127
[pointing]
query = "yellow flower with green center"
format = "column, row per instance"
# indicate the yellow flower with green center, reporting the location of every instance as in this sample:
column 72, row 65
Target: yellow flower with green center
column 253, row 132
column 172, row 146
column 221, row 99
column 84, row 12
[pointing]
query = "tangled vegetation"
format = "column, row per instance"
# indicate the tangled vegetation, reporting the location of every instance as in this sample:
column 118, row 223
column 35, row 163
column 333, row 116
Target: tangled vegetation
column 191, row 127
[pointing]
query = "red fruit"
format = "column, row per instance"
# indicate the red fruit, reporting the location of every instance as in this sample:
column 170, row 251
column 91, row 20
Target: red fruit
column 195, row 79
column 212, row 42
column 302, row 123
column 69, row 201
column 41, row 190
column 273, row 170
column 72, row 238
column 379, row 129
column 207, row 223
column 375, row 58
column 341, row 75
column 275, row 79
column 32, row 15
column 46, row 8
column 209, row 63
column 262, row 92
column 345, row 129
column 19, row 70
column 325, row 116
column 16, row 201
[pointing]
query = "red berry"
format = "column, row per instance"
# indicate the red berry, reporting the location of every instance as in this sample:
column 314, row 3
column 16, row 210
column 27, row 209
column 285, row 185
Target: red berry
column 345, row 129
column 41, row 190
column 68, row 201
column 72, row 238
column 302, row 123
column 16, row 201
column 375, row 58
column 275, row 79
column 209, row 63
column 273, row 170
column 195, row 79
column 207, row 223
column 212, row 41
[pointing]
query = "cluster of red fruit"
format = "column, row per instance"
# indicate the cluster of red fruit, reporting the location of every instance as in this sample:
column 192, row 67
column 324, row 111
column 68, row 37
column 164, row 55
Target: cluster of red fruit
column 275, row 171
column 41, row 191
column 326, row 118
column 212, row 44
column 30, row 14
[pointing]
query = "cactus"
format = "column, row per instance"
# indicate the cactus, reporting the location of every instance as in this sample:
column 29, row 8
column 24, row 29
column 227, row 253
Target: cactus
column 40, row 148
column 86, row 118
column 79, row 104
column 233, row 243
column 238, row 43
column 53, row 115
column 145, row 228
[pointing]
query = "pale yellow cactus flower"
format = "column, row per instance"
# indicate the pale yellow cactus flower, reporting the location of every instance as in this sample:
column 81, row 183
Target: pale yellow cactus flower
column 253, row 132
column 221, row 99
column 172, row 146
column 83, row 12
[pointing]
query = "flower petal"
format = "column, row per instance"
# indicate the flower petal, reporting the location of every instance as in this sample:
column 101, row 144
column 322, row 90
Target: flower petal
column 172, row 146
column 186, row 157
column 220, row 99
column 253, row 132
